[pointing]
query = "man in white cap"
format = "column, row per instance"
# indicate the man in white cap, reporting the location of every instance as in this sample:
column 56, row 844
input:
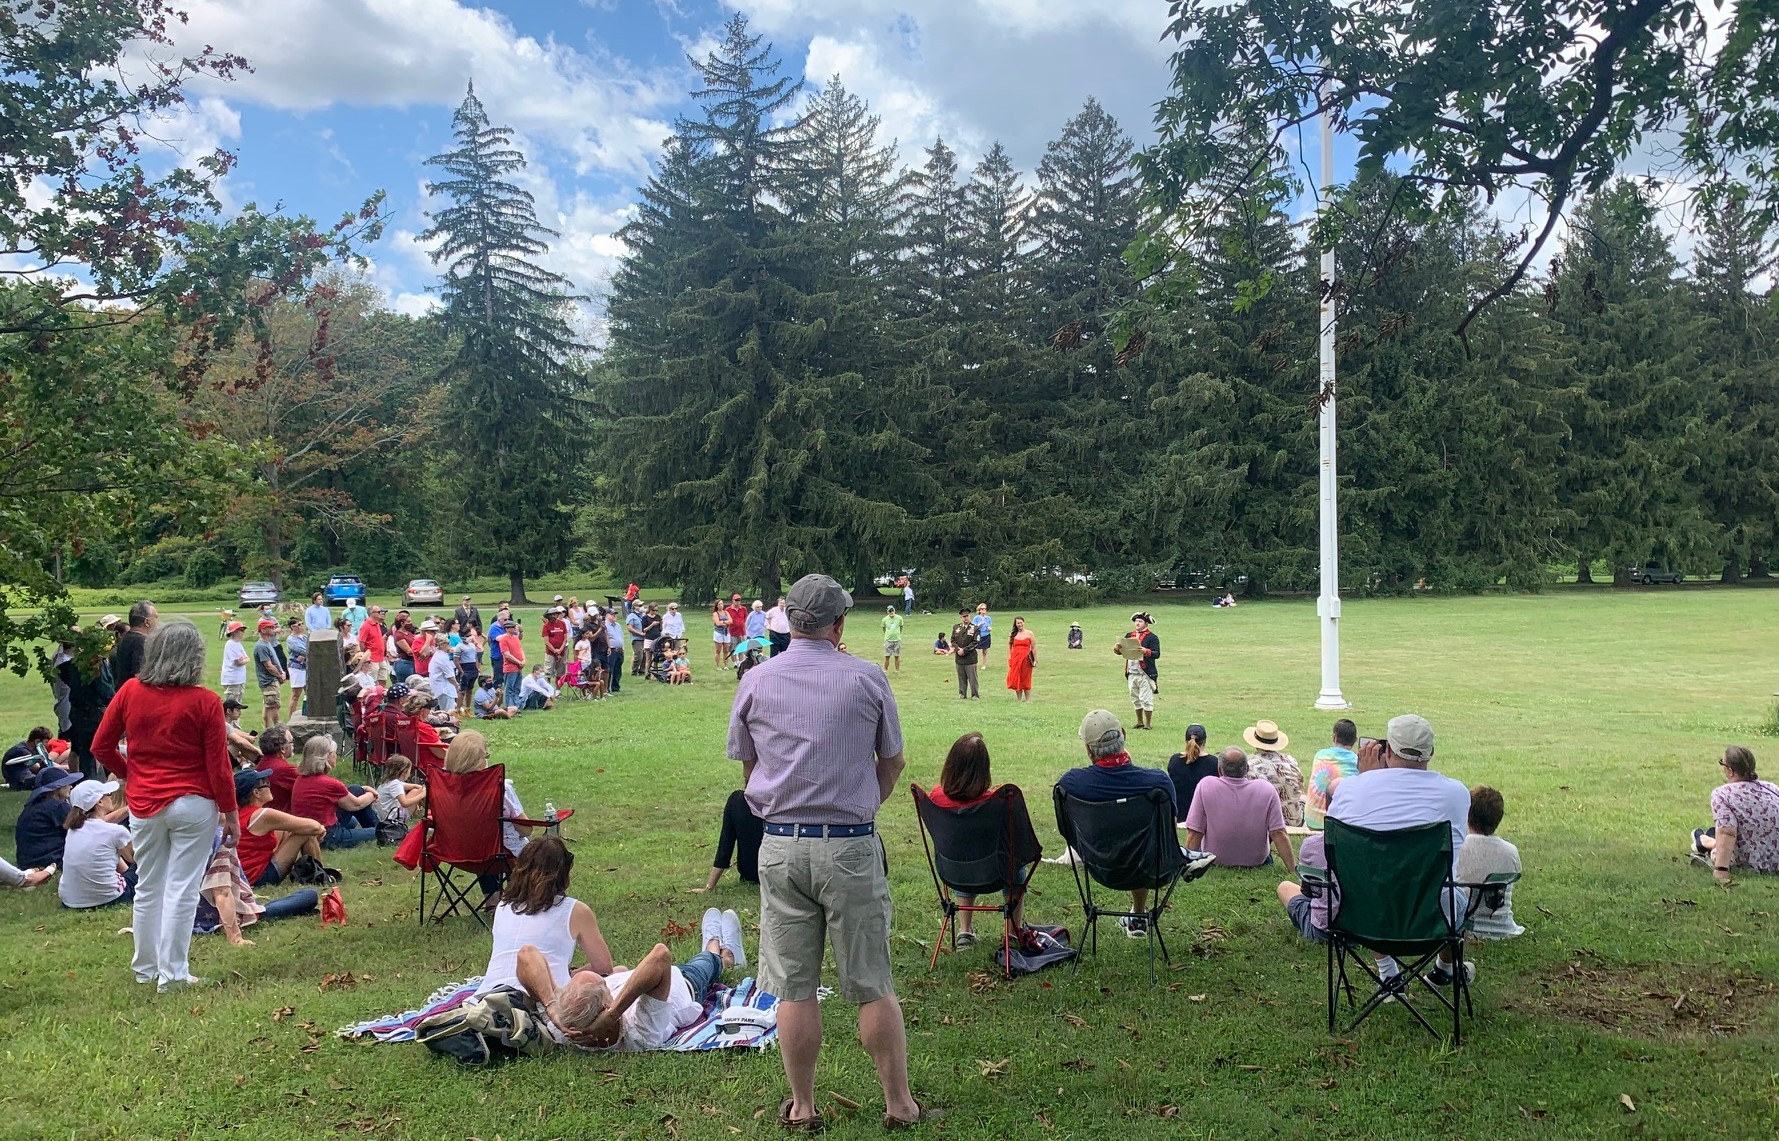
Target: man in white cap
column 1109, row 775
column 1403, row 794
column 820, row 747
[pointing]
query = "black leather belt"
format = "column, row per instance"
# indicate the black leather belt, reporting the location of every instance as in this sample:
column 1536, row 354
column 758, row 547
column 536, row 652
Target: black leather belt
column 820, row 831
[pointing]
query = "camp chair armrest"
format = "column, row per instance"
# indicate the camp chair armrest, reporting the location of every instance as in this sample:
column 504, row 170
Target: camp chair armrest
column 1490, row 892
column 1316, row 882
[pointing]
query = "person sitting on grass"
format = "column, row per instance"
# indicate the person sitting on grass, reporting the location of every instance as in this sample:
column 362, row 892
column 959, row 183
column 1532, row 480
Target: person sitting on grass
column 98, row 864
column 1327, row 769
column 536, row 691
column 490, row 701
column 1189, row 767
column 964, row 782
column 536, row 911
column 1110, row 775
column 638, row 1009
column 1486, row 854
column 397, row 796
column 276, row 747
column 242, row 744
column 1270, row 763
column 226, row 901
column 1744, row 833
column 319, row 796
column 22, row 760
column 271, row 838
column 39, row 829
column 740, row 838
column 941, row 647
column 1236, row 816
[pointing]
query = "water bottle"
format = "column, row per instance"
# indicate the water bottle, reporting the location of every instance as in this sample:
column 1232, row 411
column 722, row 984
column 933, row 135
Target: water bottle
column 549, row 812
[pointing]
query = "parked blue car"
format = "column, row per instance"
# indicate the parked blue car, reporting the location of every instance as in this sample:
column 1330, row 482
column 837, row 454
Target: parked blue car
column 343, row 590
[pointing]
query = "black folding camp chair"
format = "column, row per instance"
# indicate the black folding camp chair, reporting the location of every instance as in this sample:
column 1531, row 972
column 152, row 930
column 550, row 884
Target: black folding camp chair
column 1392, row 893
column 986, row 848
column 1123, row 845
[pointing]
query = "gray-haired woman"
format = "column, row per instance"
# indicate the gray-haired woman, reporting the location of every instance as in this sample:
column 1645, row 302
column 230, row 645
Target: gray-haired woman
column 179, row 786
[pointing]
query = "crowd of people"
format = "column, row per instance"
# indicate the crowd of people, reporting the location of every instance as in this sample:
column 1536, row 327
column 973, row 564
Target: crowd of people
column 187, row 818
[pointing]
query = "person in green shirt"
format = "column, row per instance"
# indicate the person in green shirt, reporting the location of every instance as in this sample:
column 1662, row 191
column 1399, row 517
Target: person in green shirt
column 892, row 639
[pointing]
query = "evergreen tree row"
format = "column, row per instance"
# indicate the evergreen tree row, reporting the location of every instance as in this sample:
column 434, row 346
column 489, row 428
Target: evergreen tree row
column 819, row 360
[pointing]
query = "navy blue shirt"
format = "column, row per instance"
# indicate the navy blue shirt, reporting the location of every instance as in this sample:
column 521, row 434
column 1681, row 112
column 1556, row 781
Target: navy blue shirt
column 39, row 832
column 1097, row 782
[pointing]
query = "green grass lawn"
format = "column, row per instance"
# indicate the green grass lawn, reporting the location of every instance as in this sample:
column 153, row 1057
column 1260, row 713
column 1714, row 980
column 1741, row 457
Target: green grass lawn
column 1600, row 716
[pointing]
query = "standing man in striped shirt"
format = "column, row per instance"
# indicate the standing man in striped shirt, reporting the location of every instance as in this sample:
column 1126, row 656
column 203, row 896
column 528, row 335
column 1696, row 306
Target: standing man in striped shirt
column 820, row 748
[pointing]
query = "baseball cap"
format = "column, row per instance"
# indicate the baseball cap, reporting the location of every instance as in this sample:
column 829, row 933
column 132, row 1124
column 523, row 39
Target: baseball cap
column 558, row 598
column 236, row 627
column 233, row 703
column 815, row 602
column 1410, row 736
column 268, row 624
column 1100, row 726
column 736, row 597
column 246, row 781
column 88, row 793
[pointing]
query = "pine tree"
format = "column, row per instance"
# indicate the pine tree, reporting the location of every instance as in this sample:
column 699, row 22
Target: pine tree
column 743, row 438
column 512, row 387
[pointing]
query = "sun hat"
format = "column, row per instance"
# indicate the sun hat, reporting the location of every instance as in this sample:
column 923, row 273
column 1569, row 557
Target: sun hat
column 1100, row 726
column 429, row 626
column 88, row 793
column 1410, row 736
column 249, row 779
column 50, row 778
column 815, row 602
column 110, row 621
column 1075, row 625
column 1265, row 736
column 235, row 627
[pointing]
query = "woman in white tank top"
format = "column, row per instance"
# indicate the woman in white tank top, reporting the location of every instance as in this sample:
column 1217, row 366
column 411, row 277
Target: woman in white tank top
column 537, row 911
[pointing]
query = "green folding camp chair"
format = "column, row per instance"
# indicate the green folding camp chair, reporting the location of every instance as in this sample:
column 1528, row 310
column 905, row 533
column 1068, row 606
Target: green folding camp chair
column 1392, row 893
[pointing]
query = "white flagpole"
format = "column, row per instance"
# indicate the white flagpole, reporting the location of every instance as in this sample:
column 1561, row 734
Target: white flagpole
column 1328, row 602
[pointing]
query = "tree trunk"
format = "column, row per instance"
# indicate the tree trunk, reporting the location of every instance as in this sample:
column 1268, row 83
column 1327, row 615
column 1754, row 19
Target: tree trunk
column 1732, row 571
column 1584, row 571
column 1757, row 566
column 516, row 589
column 274, row 534
column 770, row 584
column 1621, row 576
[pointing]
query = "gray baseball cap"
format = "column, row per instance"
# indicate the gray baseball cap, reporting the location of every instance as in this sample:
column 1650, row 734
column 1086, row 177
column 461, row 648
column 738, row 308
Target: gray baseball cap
column 1410, row 736
column 816, row 602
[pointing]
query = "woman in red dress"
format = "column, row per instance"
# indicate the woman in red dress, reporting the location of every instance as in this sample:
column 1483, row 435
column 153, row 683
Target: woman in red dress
column 1022, row 654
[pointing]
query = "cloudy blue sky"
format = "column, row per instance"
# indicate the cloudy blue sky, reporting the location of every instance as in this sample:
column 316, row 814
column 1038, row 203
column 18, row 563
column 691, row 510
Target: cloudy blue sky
column 349, row 96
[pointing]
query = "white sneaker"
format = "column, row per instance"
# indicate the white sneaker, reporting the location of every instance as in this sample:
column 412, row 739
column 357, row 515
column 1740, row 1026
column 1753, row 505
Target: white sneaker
column 730, row 925
column 711, row 926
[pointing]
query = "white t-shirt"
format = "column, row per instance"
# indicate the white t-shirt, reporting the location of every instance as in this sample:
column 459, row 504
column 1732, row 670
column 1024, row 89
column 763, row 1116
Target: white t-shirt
column 650, row 1023
column 536, row 683
column 442, row 672
column 389, row 805
column 89, row 864
column 510, row 836
column 1483, row 857
column 234, row 663
column 1387, row 799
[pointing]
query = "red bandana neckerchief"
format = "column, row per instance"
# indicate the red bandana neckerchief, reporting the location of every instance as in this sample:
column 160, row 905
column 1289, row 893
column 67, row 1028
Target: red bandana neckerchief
column 1115, row 761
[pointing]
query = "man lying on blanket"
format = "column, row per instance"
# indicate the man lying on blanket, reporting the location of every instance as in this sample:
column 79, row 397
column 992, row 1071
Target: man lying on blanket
column 638, row 1009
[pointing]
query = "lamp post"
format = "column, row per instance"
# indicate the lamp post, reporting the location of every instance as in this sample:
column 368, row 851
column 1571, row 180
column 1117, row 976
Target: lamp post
column 1328, row 601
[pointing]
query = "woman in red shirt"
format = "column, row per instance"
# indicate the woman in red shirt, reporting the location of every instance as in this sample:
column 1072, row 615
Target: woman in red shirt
column 179, row 786
column 320, row 797
column 964, row 783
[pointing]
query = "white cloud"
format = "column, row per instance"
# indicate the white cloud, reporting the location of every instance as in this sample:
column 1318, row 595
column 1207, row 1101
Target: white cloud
column 978, row 71
column 311, row 54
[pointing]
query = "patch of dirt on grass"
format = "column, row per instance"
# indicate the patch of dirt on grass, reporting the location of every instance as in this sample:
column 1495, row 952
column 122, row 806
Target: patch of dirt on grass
column 1646, row 1000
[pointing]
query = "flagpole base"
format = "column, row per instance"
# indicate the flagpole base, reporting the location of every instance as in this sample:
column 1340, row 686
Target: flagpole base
column 1331, row 700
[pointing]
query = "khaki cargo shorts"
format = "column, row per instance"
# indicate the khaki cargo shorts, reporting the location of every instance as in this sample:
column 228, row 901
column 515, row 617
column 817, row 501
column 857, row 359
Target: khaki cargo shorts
column 833, row 890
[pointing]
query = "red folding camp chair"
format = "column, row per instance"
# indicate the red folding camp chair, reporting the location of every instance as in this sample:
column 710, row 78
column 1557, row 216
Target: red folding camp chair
column 400, row 732
column 986, row 848
column 460, row 833
column 370, row 739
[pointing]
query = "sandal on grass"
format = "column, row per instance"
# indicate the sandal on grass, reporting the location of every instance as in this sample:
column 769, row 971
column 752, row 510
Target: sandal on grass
column 813, row 1124
column 927, row 1114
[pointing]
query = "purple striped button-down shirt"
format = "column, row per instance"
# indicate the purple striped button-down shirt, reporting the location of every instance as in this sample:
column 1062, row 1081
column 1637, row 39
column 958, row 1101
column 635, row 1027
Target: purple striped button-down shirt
column 814, row 721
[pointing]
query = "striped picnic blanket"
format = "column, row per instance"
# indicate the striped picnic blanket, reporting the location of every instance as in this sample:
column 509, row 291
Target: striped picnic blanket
column 704, row 1034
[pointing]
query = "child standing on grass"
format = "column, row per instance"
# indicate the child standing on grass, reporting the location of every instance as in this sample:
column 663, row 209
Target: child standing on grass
column 1485, row 854
column 234, row 663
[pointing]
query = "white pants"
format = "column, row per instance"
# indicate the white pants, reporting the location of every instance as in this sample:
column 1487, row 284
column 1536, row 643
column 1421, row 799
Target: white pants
column 172, row 853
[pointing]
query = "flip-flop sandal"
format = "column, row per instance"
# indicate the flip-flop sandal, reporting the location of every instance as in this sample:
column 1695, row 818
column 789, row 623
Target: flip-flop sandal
column 927, row 1114
column 801, row 1124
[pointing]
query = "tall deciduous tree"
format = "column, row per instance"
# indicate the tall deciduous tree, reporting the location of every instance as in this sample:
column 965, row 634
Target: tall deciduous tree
column 514, row 383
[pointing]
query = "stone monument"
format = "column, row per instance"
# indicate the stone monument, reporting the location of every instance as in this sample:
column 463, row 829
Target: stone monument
column 323, row 683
